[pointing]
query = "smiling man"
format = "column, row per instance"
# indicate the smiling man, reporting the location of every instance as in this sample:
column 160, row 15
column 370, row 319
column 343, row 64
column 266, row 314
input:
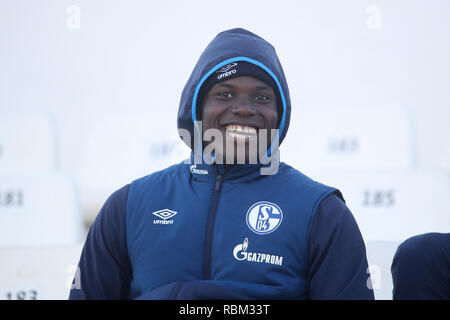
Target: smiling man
column 222, row 228
column 240, row 100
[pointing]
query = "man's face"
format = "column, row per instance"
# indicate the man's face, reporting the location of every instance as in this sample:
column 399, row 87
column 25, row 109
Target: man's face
column 240, row 108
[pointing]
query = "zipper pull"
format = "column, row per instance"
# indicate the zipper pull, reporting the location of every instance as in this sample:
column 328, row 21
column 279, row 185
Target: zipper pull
column 218, row 183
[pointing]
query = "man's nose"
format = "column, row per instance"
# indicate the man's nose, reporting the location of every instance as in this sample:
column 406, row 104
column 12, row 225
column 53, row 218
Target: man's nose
column 243, row 107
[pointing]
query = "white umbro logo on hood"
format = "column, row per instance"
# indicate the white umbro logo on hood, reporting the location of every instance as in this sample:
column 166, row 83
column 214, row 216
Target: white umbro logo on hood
column 225, row 71
column 227, row 67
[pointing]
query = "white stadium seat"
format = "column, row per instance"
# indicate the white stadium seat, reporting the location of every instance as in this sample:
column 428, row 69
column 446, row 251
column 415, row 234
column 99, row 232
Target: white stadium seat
column 27, row 143
column 445, row 162
column 39, row 210
column 379, row 257
column 33, row 273
column 393, row 205
column 359, row 138
column 122, row 147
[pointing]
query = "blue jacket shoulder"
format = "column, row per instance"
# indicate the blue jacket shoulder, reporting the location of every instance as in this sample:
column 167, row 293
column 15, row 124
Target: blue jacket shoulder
column 295, row 180
column 176, row 171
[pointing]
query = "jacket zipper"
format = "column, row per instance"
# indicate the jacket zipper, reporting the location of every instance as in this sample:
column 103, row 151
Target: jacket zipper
column 210, row 226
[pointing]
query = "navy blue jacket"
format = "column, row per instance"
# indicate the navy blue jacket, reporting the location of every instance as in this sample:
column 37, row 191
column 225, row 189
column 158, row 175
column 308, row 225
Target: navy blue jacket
column 225, row 232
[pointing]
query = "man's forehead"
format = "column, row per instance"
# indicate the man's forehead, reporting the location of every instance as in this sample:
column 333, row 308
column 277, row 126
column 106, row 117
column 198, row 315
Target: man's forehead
column 242, row 81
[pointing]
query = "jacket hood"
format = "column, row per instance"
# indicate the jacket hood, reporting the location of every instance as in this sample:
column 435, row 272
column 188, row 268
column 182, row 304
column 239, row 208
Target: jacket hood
column 232, row 46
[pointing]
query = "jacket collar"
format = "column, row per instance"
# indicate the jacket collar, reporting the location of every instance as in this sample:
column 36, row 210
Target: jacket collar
column 208, row 170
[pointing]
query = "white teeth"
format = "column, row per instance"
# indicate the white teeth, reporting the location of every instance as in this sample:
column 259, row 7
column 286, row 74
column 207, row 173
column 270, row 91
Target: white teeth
column 240, row 132
column 232, row 128
column 238, row 135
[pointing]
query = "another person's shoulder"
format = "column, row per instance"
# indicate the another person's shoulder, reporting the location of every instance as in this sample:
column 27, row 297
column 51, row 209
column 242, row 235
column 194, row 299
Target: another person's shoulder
column 424, row 243
column 428, row 239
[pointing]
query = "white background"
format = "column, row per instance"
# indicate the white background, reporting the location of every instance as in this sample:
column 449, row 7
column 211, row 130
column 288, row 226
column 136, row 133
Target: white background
column 137, row 56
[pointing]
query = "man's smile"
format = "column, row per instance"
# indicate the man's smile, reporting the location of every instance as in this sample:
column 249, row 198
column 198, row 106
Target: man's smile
column 240, row 132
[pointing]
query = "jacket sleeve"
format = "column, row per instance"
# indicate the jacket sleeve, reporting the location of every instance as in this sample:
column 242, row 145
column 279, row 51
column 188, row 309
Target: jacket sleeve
column 338, row 267
column 104, row 270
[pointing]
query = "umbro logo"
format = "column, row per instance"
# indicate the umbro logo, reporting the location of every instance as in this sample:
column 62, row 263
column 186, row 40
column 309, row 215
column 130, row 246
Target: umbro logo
column 227, row 67
column 165, row 215
column 225, row 71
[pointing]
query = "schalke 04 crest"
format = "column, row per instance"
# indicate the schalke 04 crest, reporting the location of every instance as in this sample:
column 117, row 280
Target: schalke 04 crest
column 264, row 217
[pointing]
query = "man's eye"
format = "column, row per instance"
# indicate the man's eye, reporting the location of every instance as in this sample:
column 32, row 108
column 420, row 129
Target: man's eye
column 261, row 97
column 224, row 94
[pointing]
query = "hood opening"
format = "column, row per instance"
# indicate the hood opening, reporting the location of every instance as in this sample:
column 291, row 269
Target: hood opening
column 228, row 47
column 195, row 101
